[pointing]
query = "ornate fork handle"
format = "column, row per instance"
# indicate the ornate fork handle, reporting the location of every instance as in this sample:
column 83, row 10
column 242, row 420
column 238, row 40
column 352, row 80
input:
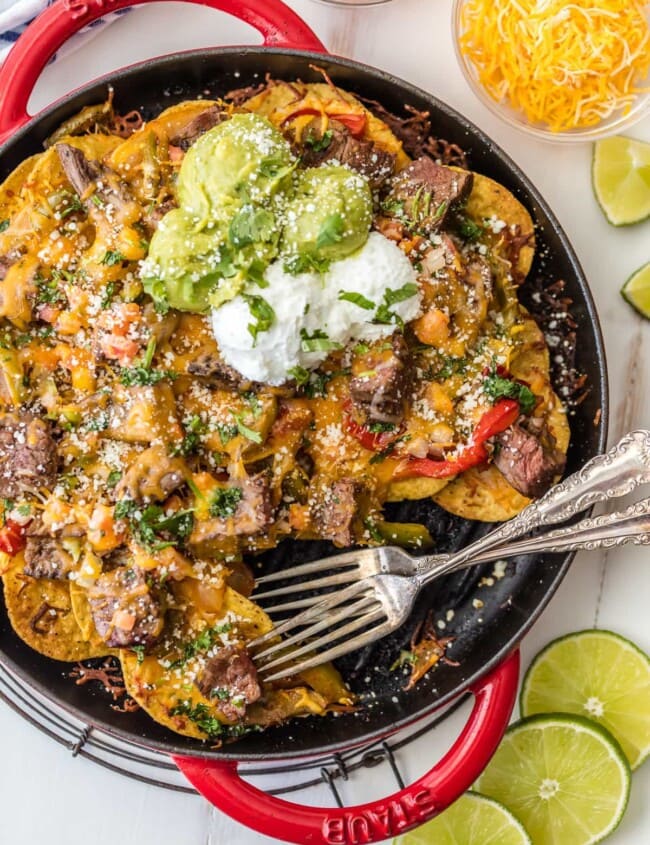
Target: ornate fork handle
column 608, row 476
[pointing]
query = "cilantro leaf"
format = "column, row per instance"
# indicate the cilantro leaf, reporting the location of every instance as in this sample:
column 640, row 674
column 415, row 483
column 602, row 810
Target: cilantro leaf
column 496, row 387
column 318, row 144
column 225, row 500
column 318, row 341
column 357, row 299
column 112, row 257
column 4, row 225
column 331, row 231
column 262, row 312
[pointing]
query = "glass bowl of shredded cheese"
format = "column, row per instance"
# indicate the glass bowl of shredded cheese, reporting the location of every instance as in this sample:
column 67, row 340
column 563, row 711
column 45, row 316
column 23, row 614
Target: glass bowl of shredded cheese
column 562, row 71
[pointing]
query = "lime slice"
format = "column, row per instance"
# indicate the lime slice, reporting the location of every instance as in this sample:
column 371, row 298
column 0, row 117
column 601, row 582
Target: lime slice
column 636, row 291
column 564, row 777
column 621, row 179
column 472, row 820
column 596, row 674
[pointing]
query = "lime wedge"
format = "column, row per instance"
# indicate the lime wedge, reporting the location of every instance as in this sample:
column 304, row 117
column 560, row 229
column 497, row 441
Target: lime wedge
column 472, row 820
column 621, row 179
column 636, row 291
column 599, row 675
column 564, row 777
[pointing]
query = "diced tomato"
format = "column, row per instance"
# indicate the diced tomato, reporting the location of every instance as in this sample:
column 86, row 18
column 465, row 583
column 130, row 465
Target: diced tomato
column 494, row 421
column 12, row 538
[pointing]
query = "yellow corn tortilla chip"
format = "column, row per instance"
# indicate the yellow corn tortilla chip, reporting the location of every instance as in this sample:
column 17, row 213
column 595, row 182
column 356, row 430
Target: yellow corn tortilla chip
column 280, row 101
column 484, row 494
column 41, row 614
column 489, row 199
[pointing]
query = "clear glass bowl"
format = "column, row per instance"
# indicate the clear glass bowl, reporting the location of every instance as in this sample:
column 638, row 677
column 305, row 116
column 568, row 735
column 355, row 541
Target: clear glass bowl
column 610, row 126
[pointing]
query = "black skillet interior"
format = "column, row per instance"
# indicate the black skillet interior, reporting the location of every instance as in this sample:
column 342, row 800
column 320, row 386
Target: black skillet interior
column 482, row 635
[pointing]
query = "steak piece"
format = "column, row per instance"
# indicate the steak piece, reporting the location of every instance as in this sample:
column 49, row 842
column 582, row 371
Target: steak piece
column 427, row 191
column 28, row 457
column 334, row 514
column 380, row 386
column 253, row 513
column 125, row 609
column 209, row 366
column 230, row 678
column 529, row 461
column 365, row 157
column 45, row 557
column 198, row 126
column 86, row 175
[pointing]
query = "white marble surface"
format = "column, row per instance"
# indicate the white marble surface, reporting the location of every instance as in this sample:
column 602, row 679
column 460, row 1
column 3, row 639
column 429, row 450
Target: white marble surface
column 45, row 795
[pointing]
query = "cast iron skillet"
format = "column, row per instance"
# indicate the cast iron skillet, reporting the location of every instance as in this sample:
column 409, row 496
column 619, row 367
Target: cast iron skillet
column 483, row 640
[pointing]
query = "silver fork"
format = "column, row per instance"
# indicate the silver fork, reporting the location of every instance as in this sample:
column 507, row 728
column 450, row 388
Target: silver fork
column 613, row 529
column 382, row 603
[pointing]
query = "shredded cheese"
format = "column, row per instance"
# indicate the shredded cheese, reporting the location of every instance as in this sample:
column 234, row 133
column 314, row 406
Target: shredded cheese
column 566, row 65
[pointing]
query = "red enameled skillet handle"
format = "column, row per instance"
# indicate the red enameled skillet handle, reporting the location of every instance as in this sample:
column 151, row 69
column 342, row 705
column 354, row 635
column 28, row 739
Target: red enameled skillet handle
column 279, row 25
column 221, row 784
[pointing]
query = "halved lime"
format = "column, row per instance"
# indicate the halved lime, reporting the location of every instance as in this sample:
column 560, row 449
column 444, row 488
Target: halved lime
column 599, row 675
column 564, row 777
column 636, row 291
column 472, row 820
column 621, row 179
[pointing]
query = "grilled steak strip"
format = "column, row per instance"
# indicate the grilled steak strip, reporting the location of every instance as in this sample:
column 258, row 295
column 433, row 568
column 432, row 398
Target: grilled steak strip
column 529, row 460
column 125, row 609
column 426, row 191
column 366, row 158
column 45, row 557
column 230, row 680
column 380, row 390
column 217, row 372
column 28, row 457
column 86, row 175
column 198, row 126
column 335, row 512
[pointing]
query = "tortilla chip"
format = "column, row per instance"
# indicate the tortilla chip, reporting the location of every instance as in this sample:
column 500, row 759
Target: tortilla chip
column 490, row 199
column 279, row 101
column 159, row 691
column 484, row 494
column 40, row 612
column 415, row 488
column 83, row 616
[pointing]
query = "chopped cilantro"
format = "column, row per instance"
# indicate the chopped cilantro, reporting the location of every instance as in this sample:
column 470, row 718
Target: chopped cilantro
column 72, row 205
column 4, row 225
column 112, row 257
column 318, row 144
column 380, row 427
column 306, row 263
column 48, row 292
column 113, row 477
column 496, row 387
column 405, row 657
column 200, row 715
column 300, row 374
column 205, row 640
column 139, row 651
column 225, row 500
column 193, row 430
column 372, row 530
column 262, row 312
column 151, row 526
column 141, row 376
column 331, row 231
column 357, row 299
column 361, row 349
column 245, row 431
column 318, row 341
column 109, row 293
column 98, row 423
column 468, row 229
column 391, row 297
column 226, row 432
column 251, row 225
column 221, row 693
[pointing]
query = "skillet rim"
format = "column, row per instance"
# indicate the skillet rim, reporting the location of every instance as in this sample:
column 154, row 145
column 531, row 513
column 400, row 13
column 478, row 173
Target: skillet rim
column 486, row 144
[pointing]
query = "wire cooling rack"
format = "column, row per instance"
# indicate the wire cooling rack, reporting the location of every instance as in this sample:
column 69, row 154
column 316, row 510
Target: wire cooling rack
column 156, row 769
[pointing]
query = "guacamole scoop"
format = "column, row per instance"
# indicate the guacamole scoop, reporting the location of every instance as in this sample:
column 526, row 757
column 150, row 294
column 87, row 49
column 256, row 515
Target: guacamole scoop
column 225, row 228
column 328, row 218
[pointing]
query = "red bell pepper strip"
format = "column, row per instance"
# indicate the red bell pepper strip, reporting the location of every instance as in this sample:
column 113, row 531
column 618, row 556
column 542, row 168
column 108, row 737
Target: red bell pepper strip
column 494, row 421
column 12, row 538
column 374, row 441
column 355, row 123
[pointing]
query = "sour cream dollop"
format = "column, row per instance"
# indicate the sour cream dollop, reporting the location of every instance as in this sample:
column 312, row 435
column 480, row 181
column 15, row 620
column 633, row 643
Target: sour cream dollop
column 308, row 306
